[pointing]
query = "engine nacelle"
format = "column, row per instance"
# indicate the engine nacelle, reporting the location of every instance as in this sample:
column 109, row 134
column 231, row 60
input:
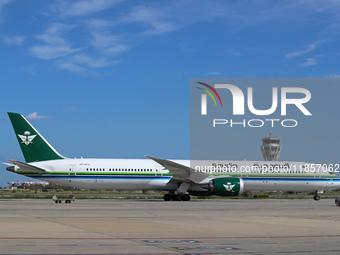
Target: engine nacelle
column 227, row 187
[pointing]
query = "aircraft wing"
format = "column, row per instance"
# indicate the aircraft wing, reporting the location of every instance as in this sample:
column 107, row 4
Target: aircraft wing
column 28, row 167
column 183, row 173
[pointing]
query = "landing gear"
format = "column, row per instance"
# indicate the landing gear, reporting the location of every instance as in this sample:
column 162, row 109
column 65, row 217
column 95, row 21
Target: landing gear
column 172, row 196
column 167, row 197
column 316, row 197
column 186, row 197
column 176, row 197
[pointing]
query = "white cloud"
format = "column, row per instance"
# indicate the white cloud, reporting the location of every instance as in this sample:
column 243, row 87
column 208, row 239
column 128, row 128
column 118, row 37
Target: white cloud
column 13, row 40
column 100, row 24
column 3, row 3
column 47, row 52
column 153, row 18
column 70, row 66
column 103, row 40
column 83, row 64
column 107, row 43
column 103, row 37
column 311, row 47
column 56, row 45
column 35, row 116
column 53, row 34
column 309, row 62
column 91, row 62
column 83, row 7
column 69, row 58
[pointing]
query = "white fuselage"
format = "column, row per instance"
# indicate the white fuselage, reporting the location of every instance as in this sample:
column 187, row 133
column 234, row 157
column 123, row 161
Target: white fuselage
column 145, row 174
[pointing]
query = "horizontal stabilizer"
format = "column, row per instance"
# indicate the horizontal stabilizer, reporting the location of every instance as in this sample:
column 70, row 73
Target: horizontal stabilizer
column 7, row 164
column 26, row 167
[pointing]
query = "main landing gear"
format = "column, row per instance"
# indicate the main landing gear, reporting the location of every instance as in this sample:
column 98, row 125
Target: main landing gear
column 172, row 196
column 316, row 197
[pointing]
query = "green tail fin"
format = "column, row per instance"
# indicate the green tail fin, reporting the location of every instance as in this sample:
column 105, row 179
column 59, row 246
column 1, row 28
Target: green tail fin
column 33, row 145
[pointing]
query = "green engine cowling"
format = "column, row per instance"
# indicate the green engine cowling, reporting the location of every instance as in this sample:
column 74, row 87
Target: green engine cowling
column 227, row 187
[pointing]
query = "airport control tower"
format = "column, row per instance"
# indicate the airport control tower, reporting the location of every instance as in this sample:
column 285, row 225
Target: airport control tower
column 271, row 148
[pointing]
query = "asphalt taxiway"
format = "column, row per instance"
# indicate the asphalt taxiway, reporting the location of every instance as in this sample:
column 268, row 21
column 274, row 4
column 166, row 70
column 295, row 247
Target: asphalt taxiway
column 158, row 227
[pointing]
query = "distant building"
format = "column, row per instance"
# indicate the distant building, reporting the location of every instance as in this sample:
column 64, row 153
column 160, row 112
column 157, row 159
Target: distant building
column 271, row 148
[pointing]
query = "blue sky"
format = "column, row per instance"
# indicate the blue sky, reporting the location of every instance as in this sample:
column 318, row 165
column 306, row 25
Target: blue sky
column 111, row 78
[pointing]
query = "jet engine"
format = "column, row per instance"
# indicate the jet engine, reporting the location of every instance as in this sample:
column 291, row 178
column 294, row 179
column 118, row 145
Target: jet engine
column 227, row 187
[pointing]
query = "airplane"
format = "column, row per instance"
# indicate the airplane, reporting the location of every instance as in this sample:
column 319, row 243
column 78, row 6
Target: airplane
column 178, row 177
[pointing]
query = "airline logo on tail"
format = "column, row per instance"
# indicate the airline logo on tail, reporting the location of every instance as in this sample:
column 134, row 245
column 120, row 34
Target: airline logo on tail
column 27, row 138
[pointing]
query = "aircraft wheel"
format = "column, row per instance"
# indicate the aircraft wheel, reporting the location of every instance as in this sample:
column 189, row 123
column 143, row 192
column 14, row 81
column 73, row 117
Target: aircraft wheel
column 316, row 197
column 176, row 197
column 167, row 197
column 186, row 197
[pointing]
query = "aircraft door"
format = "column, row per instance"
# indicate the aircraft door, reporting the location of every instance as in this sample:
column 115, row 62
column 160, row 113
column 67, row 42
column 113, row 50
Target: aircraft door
column 158, row 171
column 72, row 169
